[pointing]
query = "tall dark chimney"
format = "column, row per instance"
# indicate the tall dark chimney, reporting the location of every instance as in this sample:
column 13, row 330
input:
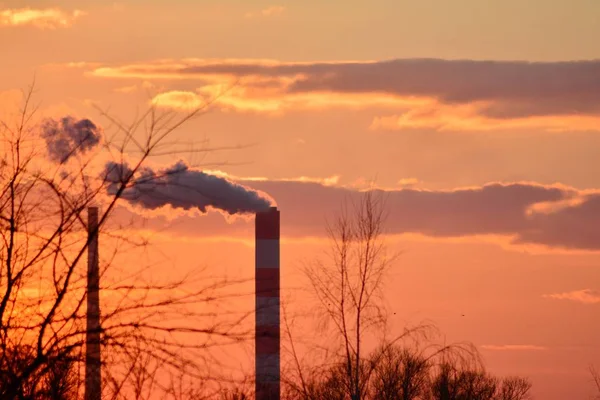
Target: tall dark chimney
column 267, row 279
column 93, row 375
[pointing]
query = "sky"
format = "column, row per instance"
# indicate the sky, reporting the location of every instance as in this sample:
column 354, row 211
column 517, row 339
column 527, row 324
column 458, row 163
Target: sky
column 481, row 121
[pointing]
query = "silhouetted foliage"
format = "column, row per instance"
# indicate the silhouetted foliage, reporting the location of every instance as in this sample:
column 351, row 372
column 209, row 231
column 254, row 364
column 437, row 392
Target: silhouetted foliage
column 58, row 380
column 399, row 374
column 514, row 388
column 452, row 383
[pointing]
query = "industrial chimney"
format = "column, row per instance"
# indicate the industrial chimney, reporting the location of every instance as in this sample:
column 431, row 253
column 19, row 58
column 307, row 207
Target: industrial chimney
column 92, row 348
column 267, row 280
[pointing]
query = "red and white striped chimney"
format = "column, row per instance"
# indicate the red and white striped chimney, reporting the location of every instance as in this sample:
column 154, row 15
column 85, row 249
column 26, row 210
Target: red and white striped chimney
column 267, row 281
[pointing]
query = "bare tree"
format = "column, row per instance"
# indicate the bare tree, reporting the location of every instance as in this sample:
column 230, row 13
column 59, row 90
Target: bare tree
column 399, row 374
column 43, row 240
column 349, row 287
column 58, row 380
column 456, row 383
column 514, row 388
column 410, row 366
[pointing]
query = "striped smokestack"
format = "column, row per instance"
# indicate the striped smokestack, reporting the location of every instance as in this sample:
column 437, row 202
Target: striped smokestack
column 92, row 349
column 267, row 305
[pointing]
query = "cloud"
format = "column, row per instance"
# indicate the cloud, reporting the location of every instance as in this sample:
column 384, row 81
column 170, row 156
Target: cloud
column 424, row 93
column 178, row 100
column 460, row 118
column 507, row 89
column 513, row 347
column 507, row 211
column 267, row 12
column 48, row 18
column 67, row 136
column 561, row 87
column 408, row 182
column 326, row 181
column 573, row 224
column 585, row 296
column 181, row 187
column 499, row 209
column 258, row 97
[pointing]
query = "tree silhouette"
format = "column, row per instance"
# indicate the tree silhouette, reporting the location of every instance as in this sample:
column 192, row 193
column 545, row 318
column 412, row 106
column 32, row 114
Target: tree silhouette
column 349, row 286
column 43, row 243
column 58, row 380
column 410, row 366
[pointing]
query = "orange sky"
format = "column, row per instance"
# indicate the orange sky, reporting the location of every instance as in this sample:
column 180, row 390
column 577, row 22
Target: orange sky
column 482, row 120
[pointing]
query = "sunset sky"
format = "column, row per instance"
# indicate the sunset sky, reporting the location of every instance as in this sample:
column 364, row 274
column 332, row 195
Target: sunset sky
column 480, row 119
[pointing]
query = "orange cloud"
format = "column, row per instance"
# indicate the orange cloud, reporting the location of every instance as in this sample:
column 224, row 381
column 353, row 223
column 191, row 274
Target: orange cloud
column 551, row 207
column 255, row 92
column 48, row 18
column 327, row 181
column 513, row 347
column 179, row 100
column 184, row 68
column 585, row 296
column 471, row 117
column 267, row 12
column 248, row 96
column 448, row 95
column 408, row 182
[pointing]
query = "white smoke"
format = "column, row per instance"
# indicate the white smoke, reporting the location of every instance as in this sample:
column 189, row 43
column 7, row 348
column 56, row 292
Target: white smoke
column 183, row 188
column 68, row 136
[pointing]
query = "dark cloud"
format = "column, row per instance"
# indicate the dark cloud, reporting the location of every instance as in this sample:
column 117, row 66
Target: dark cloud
column 515, row 88
column 183, row 188
column 561, row 87
column 493, row 209
column 490, row 209
column 68, row 136
column 576, row 226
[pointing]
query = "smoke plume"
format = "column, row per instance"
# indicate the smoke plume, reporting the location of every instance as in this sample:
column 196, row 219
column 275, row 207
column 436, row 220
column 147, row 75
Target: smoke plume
column 183, row 188
column 68, row 136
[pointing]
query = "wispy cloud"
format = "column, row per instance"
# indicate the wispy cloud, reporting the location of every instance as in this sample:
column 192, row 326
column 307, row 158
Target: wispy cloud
column 178, row 100
column 324, row 181
column 408, row 182
column 513, row 347
column 267, row 12
column 441, row 117
column 585, row 296
column 47, row 18
column 427, row 94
